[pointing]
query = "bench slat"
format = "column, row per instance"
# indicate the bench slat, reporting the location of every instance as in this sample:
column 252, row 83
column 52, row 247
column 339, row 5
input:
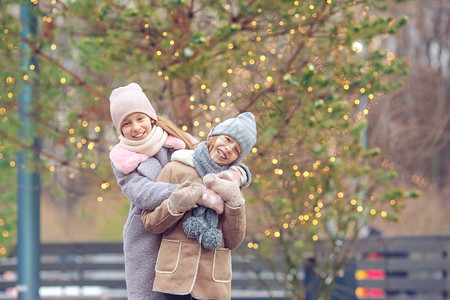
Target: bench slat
column 407, row 265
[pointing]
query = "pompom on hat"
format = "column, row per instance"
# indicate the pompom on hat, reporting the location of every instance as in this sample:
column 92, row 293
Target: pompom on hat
column 126, row 100
column 242, row 129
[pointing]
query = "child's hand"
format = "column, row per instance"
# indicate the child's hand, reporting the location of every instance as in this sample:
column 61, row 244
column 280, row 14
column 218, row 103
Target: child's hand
column 226, row 187
column 185, row 197
column 212, row 200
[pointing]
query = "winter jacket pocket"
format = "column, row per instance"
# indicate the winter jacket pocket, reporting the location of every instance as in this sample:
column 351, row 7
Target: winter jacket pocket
column 166, row 263
column 221, row 271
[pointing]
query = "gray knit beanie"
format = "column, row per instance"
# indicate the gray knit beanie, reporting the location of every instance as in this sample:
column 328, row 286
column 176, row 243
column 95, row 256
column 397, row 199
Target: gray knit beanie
column 242, row 129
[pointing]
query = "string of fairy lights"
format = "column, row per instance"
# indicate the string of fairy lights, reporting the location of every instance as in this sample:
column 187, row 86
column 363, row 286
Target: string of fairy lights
column 241, row 74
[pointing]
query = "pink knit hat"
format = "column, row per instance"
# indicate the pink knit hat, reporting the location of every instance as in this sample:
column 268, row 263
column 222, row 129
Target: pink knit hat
column 126, row 100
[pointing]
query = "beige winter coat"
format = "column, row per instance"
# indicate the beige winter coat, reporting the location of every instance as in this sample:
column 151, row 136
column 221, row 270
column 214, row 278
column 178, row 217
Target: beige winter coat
column 183, row 265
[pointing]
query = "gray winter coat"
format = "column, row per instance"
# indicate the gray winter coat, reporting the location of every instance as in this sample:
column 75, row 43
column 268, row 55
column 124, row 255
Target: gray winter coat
column 140, row 246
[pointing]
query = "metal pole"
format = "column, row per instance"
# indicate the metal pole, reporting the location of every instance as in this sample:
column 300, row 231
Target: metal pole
column 28, row 187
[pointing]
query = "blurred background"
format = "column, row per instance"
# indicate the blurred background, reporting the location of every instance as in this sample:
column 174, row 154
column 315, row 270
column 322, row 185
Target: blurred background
column 350, row 98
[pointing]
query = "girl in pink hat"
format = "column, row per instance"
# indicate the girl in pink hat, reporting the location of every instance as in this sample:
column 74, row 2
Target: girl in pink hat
column 147, row 142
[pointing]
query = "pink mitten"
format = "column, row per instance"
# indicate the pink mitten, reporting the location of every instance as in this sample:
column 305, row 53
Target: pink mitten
column 225, row 187
column 212, row 200
column 234, row 173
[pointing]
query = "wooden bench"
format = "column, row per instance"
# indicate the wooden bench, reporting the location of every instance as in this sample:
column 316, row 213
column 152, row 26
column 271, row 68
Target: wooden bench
column 397, row 268
column 69, row 270
column 401, row 268
column 74, row 269
column 413, row 268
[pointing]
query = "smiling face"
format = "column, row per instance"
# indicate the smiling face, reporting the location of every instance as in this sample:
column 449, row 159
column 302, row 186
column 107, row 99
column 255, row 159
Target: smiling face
column 224, row 150
column 136, row 126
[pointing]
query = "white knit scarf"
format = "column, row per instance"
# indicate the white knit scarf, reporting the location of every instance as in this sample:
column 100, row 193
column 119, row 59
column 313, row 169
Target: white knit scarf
column 148, row 146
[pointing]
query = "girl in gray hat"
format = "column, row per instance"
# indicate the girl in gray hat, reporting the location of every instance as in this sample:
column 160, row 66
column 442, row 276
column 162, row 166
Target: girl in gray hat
column 147, row 142
column 194, row 259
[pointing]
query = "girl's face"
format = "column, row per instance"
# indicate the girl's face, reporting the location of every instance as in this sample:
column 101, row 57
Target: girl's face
column 136, row 126
column 225, row 150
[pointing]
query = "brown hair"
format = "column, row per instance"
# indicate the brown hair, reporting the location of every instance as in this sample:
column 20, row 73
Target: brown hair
column 210, row 142
column 172, row 129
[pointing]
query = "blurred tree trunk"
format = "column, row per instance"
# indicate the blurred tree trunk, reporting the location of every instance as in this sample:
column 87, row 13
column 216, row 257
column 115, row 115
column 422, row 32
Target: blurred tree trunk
column 412, row 126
